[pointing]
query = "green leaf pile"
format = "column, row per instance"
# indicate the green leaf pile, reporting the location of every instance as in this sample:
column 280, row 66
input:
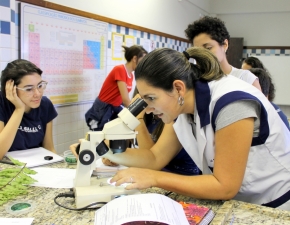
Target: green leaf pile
column 14, row 181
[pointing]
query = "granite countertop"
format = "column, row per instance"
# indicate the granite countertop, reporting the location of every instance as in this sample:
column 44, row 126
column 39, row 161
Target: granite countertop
column 47, row 212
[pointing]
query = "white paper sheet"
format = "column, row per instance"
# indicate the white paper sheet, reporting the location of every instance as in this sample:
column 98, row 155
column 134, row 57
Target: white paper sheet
column 142, row 207
column 100, row 167
column 34, row 156
column 15, row 221
column 54, row 177
column 102, row 170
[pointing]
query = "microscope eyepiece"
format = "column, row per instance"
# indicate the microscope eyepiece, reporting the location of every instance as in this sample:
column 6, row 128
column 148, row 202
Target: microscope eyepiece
column 102, row 148
column 137, row 106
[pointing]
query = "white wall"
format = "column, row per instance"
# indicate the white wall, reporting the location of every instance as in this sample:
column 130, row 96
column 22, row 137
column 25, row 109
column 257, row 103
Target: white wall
column 259, row 29
column 248, row 6
column 167, row 16
column 259, row 22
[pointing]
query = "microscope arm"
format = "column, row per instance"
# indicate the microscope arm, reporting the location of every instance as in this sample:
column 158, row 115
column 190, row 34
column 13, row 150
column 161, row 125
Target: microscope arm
column 121, row 128
column 94, row 147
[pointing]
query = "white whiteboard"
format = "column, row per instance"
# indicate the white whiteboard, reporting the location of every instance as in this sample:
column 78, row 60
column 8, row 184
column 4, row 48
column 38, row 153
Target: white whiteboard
column 71, row 51
column 279, row 68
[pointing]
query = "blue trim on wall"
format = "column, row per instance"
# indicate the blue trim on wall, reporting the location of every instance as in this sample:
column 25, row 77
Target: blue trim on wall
column 12, row 16
column 5, row 27
column 118, row 29
column 5, row 3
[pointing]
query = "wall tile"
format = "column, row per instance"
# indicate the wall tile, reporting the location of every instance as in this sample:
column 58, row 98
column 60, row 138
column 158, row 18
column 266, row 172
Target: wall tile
column 2, row 64
column 5, row 3
column 5, row 13
column 5, row 27
column 5, row 41
column 5, row 54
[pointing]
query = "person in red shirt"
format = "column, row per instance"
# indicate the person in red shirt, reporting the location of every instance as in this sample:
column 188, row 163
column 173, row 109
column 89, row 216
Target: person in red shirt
column 114, row 94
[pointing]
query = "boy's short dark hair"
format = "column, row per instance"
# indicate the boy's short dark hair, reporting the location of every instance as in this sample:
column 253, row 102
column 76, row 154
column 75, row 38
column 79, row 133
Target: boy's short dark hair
column 212, row 26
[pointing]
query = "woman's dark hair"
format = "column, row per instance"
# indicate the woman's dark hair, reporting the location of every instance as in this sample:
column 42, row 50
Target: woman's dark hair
column 134, row 50
column 161, row 67
column 212, row 26
column 265, row 81
column 149, row 119
column 254, row 62
column 16, row 70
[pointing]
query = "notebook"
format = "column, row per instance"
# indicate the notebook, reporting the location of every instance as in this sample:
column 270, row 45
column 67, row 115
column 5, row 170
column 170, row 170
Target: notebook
column 35, row 156
column 197, row 214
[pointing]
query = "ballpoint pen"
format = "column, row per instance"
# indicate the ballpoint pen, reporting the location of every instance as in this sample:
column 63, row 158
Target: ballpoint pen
column 6, row 162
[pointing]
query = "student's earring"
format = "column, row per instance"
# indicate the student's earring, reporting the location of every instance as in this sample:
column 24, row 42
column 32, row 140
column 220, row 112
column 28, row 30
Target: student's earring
column 180, row 100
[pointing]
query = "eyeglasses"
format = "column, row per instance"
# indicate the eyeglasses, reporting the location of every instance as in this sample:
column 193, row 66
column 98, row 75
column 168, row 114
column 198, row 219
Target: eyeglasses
column 30, row 90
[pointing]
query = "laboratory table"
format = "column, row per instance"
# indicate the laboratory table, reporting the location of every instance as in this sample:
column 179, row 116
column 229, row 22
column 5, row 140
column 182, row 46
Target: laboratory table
column 230, row 212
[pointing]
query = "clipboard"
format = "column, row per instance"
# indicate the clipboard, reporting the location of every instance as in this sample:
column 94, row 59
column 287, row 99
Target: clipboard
column 35, row 156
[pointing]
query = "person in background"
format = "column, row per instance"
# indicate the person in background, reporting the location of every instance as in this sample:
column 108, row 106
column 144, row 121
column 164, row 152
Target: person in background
column 114, row 94
column 25, row 114
column 212, row 34
column 228, row 127
column 252, row 62
column 266, row 82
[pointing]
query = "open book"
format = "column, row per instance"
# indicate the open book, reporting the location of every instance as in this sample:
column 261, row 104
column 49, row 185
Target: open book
column 144, row 209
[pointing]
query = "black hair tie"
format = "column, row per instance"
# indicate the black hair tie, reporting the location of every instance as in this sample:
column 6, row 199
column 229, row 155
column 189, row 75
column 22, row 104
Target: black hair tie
column 186, row 55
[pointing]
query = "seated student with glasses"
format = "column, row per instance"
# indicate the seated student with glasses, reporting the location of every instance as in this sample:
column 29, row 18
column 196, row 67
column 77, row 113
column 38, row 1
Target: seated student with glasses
column 25, row 114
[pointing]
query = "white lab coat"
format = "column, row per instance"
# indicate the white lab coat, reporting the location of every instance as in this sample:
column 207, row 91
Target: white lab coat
column 267, row 176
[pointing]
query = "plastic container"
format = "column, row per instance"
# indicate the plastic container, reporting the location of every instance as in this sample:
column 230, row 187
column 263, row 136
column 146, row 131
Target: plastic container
column 69, row 157
column 20, row 207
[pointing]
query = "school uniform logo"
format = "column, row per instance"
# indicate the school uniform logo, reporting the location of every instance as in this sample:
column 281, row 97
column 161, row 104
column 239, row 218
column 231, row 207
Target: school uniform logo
column 30, row 129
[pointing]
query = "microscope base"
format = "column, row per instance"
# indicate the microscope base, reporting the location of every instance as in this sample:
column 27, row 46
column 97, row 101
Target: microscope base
column 99, row 191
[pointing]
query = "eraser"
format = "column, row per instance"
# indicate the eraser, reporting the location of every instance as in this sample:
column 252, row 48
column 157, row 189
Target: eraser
column 48, row 157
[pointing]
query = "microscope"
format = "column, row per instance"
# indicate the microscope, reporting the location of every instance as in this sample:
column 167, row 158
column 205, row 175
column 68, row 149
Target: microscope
column 88, row 190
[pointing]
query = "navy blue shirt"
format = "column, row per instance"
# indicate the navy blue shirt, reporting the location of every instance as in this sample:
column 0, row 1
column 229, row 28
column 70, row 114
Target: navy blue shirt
column 32, row 128
column 182, row 163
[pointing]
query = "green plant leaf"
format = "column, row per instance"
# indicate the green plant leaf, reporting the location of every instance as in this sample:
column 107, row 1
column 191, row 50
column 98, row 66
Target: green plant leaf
column 15, row 181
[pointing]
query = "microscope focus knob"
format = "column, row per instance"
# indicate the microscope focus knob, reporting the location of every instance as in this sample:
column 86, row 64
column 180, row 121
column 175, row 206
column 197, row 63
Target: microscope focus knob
column 86, row 157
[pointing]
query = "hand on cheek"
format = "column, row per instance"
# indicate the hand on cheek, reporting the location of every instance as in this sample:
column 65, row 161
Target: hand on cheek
column 11, row 95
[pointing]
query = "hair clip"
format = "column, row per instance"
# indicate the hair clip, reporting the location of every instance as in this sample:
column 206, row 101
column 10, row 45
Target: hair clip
column 186, row 55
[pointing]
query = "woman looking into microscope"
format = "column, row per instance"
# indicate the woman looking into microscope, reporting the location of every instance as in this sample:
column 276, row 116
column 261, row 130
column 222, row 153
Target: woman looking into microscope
column 228, row 127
